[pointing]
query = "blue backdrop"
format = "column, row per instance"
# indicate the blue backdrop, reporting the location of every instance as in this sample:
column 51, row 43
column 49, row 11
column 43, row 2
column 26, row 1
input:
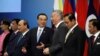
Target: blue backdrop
column 29, row 11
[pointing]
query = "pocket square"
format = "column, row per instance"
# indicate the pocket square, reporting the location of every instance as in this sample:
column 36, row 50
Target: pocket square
column 98, row 43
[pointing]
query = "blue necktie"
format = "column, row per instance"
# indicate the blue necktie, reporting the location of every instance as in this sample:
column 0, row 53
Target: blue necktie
column 21, row 36
column 38, row 34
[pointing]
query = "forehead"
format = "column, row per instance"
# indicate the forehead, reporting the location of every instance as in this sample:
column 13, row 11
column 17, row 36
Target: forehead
column 13, row 22
column 42, row 16
column 21, row 22
column 90, row 23
column 66, row 18
column 54, row 13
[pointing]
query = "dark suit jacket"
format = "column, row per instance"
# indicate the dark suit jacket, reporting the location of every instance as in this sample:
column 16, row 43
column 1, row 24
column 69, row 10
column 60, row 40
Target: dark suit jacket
column 11, row 43
column 74, row 44
column 45, row 38
column 18, row 45
column 58, row 40
column 94, row 50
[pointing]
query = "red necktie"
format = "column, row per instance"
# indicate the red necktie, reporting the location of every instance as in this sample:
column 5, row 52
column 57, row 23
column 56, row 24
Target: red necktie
column 92, row 39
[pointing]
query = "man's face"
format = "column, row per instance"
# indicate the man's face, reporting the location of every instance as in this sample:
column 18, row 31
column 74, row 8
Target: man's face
column 42, row 20
column 68, row 23
column 55, row 18
column 21, row 26
column 14, row 25
column 91, row 28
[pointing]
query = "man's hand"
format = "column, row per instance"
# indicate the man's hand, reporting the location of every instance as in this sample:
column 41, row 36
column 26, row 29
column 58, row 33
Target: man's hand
column 24, row 50
column 46, row 51
column 5, row 54
column 41, row 46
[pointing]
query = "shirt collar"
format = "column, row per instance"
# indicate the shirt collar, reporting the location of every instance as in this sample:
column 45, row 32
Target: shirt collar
column 41, row 28
column 16, row 31
column 73, row 26
column 25, row 32
column 58, row 24
column 96, row 34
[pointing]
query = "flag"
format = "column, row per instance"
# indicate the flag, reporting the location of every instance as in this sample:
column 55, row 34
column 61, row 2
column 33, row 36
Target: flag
column 69, row 6
column 81, row 10
column 99, row 9
column 92, row 14
column 96, row 6
column 58, row 5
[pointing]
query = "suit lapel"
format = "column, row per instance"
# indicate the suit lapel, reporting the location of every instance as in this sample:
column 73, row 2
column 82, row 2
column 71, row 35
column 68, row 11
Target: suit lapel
column 12, row 36
column 61, row 24
column 17, row 38
column 23, row 39
column 35, row 34
column 97, row 40
column 69, row 37
column 71, row 34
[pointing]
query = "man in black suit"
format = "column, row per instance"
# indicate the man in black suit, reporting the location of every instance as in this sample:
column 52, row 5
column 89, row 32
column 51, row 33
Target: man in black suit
column 21, row 39
column 10, row 46
column 74, row 40
column 94, row 41
column 40, row 37
column 58, row 38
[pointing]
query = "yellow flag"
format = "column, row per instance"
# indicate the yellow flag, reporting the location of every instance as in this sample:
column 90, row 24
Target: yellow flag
column 58, row 5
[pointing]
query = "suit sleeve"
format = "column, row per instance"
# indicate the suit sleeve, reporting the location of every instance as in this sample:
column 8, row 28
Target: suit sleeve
column 57, row 41
column 50, row 36
column 80, row 41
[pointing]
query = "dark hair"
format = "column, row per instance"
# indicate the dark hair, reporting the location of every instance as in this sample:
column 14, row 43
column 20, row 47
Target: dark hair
column 16, row 19
column 70, row 16
column 5, row 22
column 96, row 23
column 42, row 14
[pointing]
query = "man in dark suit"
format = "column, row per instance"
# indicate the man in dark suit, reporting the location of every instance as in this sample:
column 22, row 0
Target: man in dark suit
column 11, row 43
column 74, row 40
column 58, row 38
column 40, row 37
column 94, row 41
column 21, row 39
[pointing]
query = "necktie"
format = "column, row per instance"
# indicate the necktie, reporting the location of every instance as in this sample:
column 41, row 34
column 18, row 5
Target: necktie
column 39, row 34
column 21, row 36
column 92, row 39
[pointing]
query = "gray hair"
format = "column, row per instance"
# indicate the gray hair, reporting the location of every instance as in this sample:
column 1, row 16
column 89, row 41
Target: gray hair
column 59, row 12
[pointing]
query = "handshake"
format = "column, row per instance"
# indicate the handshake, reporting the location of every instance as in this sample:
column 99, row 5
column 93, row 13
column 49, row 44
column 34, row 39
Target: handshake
column 41, row 46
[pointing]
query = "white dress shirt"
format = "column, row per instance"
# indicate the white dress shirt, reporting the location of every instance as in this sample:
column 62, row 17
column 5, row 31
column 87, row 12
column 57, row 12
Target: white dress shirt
column 58, row 24
column 25, row 32
column 39, row 32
